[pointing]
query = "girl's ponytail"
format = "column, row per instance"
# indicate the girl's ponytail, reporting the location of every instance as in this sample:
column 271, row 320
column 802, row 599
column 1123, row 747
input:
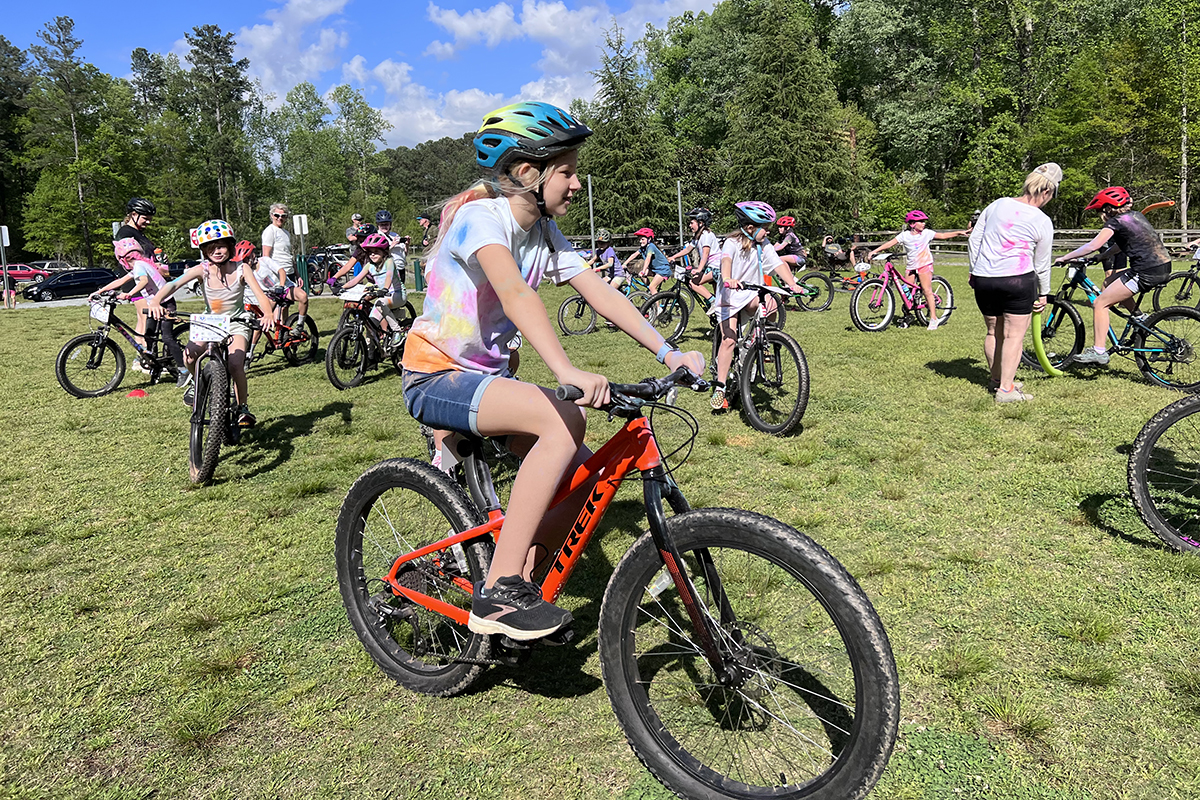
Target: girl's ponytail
column 480, row 190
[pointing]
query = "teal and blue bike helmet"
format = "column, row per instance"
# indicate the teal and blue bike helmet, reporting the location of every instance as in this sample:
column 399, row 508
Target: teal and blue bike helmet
column 534, row 131
column 752, row 212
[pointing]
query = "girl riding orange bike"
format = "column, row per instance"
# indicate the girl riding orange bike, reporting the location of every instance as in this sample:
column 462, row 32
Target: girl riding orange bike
column 496, row 242
column 916, row 239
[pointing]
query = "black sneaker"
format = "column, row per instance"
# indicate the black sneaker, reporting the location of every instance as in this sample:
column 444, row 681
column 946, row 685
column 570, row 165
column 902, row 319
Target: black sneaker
column 189, row 395
column 515, row 608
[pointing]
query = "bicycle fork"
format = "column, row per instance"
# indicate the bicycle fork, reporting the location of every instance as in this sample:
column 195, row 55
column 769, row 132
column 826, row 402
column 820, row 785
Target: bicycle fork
column 657, row 484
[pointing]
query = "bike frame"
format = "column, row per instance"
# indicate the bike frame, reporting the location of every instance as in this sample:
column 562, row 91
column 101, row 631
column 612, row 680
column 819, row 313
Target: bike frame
column 892, row 275
column 633, row 447
column 1092, row 291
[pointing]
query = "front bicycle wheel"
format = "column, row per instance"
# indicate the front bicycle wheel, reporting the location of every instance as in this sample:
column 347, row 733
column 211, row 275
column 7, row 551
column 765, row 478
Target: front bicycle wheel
column 1062, row 335
column 209, row 418
column 346, row 358
column 667, row 313
column 943, row 296
column 1169, row 352
column 778, row 316
column 576, row 316
column 811, row 706
column 300, row 346
column 774, row 383
column 394, row 508
column 818, row 291
column 1164, row 475
column 872, row 306
column 1181, row 289
column 90, row 365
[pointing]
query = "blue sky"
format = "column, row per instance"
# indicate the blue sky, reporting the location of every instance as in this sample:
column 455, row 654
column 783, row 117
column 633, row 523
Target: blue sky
column 433, row 68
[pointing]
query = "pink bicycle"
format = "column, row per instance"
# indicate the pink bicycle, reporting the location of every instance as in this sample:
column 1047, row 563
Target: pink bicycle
column 873, row 304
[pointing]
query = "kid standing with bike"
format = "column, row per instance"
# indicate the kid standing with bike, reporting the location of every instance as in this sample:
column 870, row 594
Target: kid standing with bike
column 224, row 283
column 706, row 251
column 1149, row 263
column 497, row 241
column 746, row 258
column 918, row 257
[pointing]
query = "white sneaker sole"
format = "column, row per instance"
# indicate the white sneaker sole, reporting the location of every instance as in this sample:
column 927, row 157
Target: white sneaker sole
column 479, row 625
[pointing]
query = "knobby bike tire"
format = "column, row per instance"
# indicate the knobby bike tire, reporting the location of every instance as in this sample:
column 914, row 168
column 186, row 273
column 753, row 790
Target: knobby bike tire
column 943, row 296
column 1175, row 338
column 1164, row 475
column 346, row 358
column 89, row 366
column 396, row 507
column 1181, row 289
column 301, row 348
column 815, row 712
column 685, row 295
column 576, row 316
column 820, row 282
column 777, row 318
column 1062, row 336
column 775, row 397
column 210, row 414
column 667, row 313
column 872, row 306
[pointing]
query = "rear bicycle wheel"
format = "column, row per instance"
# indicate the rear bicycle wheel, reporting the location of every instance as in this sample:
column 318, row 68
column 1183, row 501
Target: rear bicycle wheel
column 394, row 508
column 90, row 365
column 1062, row 335
column 1164, row 475
column 667, row 313
column 346, row 358
column 943, row 296
column 301, row 345
column 820, row 291
column 209, row 417
column 576, row 316
column 872, row 306
column 774, row 386
column 1169, row 353
column 778, row 316
column 813, row 704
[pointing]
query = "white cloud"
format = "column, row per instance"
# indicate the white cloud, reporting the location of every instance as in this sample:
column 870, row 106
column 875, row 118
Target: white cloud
column 440, row 50
column 489, row 26
column 286, row 51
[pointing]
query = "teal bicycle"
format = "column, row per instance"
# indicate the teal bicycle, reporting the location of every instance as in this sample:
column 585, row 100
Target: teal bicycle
column 1164, row 344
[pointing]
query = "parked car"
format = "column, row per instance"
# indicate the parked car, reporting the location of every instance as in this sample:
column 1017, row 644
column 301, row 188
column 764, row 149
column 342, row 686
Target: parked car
column 73, row 283
column 51, row 265
column 23, row 273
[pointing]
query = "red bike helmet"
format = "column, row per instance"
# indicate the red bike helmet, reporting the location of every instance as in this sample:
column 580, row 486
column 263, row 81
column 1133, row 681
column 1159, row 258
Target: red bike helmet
column 647, row 232
column 786, row 222
column 243, row 250
column 1115, row 196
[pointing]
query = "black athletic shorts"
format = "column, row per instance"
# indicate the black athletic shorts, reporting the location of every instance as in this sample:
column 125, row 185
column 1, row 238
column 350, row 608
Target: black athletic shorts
column 1012, row 294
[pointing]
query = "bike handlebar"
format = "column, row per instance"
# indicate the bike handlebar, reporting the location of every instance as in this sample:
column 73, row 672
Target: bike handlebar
column 649, row 389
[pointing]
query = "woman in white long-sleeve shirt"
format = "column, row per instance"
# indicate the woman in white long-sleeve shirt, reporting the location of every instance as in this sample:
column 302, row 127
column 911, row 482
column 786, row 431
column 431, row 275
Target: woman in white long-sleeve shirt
column 1010, row 273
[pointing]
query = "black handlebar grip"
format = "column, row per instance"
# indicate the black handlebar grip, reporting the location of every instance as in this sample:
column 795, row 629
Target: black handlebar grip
column 568, row 393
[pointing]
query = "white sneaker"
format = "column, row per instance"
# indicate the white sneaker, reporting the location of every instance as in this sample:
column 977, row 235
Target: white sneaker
column 933, row 324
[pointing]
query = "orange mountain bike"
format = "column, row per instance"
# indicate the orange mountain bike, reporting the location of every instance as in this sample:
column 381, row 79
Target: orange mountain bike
column 741, row 659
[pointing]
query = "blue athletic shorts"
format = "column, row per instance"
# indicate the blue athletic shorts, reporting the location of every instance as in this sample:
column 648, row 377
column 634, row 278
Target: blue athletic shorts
column 447, row 400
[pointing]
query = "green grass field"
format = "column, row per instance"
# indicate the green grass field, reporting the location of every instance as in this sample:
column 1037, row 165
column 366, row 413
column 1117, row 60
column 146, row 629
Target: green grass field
column 162, row 640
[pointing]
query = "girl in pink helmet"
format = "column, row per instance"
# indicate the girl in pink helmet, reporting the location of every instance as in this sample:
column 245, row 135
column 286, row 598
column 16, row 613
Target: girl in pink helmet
column 382, row 270
column 916, row 238
column 654, row 261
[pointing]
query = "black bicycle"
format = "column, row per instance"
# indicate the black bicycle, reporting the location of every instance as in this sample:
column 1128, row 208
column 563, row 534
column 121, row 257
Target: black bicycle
column 213, row 422
column 92, row 364
column 1164, row 475
column 362, row 343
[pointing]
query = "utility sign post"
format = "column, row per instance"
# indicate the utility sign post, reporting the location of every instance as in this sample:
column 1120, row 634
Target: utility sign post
column 300, row 226
column 4, row 264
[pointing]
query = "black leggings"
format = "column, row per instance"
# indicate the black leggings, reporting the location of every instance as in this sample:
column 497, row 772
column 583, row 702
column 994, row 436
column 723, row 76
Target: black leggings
column 164, row 328
column 1011, row 294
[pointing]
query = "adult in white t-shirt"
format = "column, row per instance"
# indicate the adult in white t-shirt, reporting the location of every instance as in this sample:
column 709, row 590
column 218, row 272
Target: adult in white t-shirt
column 276, row 241
column 918, row 257
column 1010, row 273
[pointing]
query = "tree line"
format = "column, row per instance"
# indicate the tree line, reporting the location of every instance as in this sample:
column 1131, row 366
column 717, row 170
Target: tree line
column 844, row 115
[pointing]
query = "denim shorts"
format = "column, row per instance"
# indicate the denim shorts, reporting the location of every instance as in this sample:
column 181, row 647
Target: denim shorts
column 447, row 400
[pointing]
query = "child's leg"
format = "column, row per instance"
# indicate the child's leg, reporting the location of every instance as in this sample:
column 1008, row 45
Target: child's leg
column 698, row 281
column 301, row 298
column 925, row 277
column 1116, row 292
column 616, row 282
column 140, row 322
column 656, row 282
column 237, row 367
column 788, row 279
column 513, row 407
column 726, row 348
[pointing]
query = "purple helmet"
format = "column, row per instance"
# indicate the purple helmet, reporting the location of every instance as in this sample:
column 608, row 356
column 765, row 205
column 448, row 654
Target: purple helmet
column 752, row 212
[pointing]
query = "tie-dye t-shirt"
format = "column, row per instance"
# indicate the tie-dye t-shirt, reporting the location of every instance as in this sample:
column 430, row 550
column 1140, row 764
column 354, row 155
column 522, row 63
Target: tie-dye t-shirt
column 916, row 248
column 463, row 325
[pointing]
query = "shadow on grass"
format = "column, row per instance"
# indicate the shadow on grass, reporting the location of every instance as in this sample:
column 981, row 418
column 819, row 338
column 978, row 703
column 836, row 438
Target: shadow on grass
column 1092, row 507
column 277, row 437
column 969, row 369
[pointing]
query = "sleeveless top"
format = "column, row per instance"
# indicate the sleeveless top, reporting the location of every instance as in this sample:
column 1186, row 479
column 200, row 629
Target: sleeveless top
column 228, row 297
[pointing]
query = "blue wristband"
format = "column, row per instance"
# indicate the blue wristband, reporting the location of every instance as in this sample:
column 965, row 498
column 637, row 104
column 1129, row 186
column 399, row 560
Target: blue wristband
column 666, row 348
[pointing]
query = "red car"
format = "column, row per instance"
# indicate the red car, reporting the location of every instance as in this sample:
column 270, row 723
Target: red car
column 23, row 273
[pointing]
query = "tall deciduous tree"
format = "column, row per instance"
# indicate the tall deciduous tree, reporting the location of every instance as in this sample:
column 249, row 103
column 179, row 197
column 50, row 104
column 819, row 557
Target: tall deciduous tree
column 14, row 85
